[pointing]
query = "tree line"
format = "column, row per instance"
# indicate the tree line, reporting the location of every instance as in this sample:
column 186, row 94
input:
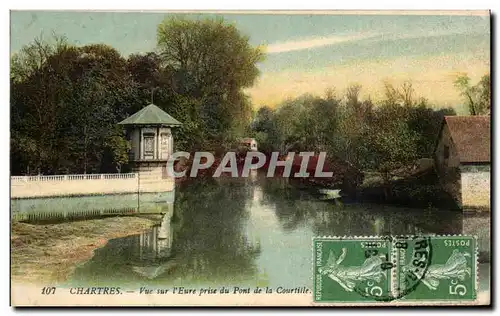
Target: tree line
column 382, row 136
column 66, row 99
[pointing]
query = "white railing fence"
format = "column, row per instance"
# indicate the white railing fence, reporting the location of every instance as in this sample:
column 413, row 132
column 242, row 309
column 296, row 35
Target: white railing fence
column 70, row 177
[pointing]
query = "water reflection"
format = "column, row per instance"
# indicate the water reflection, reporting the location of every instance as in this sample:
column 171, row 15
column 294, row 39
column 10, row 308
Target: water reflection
column 154, row 249
column 251, row 231
column 87, row 207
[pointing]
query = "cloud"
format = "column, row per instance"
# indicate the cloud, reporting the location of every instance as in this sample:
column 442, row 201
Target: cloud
column 315, row 42
column 432, row 77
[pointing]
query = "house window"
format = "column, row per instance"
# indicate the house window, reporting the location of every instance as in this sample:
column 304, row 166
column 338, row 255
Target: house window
column 446, row 152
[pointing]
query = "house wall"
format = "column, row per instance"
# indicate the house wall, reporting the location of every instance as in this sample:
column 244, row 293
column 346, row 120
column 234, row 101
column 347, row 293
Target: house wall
column 448, row 169
column 475, row 185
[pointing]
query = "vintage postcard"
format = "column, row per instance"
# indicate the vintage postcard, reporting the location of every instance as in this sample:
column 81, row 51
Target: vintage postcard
column 312, row 158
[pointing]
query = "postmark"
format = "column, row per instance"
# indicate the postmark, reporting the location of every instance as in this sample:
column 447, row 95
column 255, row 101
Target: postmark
column 393, row 268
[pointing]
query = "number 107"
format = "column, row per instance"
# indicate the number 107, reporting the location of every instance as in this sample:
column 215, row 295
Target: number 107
column 49, row 290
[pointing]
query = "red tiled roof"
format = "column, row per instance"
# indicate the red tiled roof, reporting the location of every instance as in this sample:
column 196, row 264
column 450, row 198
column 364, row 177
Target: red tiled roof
column 471, row 136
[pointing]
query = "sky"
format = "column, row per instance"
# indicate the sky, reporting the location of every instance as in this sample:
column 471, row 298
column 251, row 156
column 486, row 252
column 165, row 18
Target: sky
column 307, row 53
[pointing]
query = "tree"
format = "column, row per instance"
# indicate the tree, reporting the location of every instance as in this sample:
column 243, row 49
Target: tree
column 484, row 88
column 118, row 148
column 213, row 63
column 406, row 93
column 403, row 95
column 264, row 129
column 477, row 97
column 395, row 144
column 102, row 91
column 34, row 93
column 147, row 71
column 33, row 56
column 352, row 95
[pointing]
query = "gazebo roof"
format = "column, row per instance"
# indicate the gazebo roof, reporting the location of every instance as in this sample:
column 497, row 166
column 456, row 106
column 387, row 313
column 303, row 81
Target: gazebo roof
column 151, row 115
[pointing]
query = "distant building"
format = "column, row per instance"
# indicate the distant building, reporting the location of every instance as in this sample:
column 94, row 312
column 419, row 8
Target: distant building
column 462, row 159
column 249, row 143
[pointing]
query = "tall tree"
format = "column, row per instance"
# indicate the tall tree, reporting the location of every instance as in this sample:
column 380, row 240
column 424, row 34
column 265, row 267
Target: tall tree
column 213, row 62
column 34, row 102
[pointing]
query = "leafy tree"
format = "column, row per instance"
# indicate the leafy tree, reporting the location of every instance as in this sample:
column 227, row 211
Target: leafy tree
column 118, row 147
column 34, row 100
column 212, row 63
column 264, row 129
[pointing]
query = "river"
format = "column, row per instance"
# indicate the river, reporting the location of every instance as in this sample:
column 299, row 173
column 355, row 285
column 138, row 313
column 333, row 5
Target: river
column 256, row 232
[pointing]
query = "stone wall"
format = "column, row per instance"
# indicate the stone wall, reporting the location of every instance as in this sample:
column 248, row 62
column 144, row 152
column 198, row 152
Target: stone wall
column 92, row 184
column 154, row 177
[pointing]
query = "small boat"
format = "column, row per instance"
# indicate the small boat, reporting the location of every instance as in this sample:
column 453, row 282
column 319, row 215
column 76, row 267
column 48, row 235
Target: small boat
column 329, row 194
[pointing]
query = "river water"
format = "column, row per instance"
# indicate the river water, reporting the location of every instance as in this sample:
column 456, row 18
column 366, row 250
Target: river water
column 256, row 232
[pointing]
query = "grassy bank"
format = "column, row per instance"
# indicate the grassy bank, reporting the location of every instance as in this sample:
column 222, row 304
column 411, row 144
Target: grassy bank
column 48, row 253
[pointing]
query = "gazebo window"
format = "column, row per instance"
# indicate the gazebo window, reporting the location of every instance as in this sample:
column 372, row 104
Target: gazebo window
column 149, row 146
column 165, row 144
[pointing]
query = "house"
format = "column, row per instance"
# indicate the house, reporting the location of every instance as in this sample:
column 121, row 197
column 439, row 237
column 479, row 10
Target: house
column 249, row 143
column 462, row 160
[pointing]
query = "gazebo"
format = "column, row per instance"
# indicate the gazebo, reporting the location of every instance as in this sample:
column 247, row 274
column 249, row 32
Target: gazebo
column 150, row 137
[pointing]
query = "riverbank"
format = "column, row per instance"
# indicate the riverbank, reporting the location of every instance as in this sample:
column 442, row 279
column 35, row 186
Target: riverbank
column 48, row 253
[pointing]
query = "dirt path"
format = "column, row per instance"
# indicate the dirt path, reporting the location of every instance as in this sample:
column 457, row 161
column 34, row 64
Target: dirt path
column 48, row 253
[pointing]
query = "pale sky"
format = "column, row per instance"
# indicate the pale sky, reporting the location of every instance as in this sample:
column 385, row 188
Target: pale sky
column 307, row 53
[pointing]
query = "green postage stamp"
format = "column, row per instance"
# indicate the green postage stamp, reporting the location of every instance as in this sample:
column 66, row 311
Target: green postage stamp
column 395, row 268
